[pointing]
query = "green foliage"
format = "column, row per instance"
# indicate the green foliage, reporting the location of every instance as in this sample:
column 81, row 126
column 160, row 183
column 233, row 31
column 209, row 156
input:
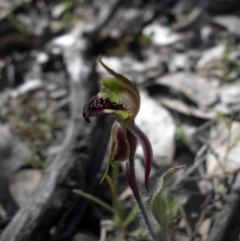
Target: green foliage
column 143, row 41
column 34, row 161
column 131, row 216
column 14, row 22
column 163, row 207
column 227, row 121
column 94, row 199
column 30, row 121
column 121, row 220
column 229, row 66
column 138, row 234
column 180, row 136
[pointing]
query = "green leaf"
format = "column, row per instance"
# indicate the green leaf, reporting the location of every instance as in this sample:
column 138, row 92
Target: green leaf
column 12, row 20
column 172, row 208
column 94, row 199
column 138, row 234
column 175, row 212
column 119, row 238
column 143, row 40
column 235, row 142
column 131, row 216
column 159, row 209
column 180, row 135
column 111, row 224
column 159, row 205
column 119, row 211
column 226, row 120
column 222, row 117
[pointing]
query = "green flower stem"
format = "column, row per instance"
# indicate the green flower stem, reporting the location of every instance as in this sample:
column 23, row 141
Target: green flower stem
column 115, row 175
column 116, row 204
column 113, row 184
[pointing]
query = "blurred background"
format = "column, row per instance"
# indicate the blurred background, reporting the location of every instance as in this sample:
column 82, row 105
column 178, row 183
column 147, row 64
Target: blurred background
column 184, row 57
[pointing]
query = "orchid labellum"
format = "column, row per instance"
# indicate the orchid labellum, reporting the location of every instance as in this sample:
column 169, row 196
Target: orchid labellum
column 120, row 97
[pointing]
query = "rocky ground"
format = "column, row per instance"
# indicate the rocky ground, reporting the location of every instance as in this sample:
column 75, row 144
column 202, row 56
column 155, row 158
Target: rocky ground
column 184, row 57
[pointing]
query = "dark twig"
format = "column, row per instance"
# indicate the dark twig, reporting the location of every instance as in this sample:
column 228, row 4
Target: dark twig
column 222, row 220
column 201, row 217
column 35, row 213
column 199, row 159
column 68, row 170
column 105, row 16
column 131, row 179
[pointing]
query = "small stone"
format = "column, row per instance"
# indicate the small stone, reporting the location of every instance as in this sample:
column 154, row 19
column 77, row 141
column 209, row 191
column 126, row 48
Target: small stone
column 23, row 184
column 204, row 228
column 51, row 87
column 58, row 94
column 230, row 94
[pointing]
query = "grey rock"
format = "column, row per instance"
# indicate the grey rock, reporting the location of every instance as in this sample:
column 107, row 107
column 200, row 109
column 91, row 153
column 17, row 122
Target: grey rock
column 23, row 183
column 230, row 22
column 58, row 94
column 229, row 94
column 12, row 151
column 195, row 87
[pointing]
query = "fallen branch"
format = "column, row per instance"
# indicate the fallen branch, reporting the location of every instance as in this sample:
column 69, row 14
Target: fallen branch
column 53, row 200
column 47, row 202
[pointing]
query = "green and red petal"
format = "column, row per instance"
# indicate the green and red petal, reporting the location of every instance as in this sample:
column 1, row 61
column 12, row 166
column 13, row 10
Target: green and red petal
column 120, row 151
column 119, row 146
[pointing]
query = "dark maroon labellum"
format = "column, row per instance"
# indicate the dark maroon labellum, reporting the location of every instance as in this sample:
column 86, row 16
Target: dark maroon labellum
column 96, row 106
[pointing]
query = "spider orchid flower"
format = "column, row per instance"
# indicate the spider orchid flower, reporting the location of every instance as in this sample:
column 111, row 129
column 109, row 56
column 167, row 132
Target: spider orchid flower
column 120, row 97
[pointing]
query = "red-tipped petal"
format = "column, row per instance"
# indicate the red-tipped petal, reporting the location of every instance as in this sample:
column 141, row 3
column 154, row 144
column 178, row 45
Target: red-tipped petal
column 119, row 147
column 120, row 152
column 147, row 149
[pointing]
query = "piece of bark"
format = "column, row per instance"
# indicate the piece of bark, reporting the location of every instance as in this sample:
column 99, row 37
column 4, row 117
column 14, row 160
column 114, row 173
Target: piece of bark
column 53, row 201
column 67, row 171
column 34, row 212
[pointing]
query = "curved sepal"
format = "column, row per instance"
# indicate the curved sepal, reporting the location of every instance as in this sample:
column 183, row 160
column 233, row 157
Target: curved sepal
column 147, row 149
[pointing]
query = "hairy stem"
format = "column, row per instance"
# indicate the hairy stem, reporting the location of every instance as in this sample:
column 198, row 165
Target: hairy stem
column 131, row 179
